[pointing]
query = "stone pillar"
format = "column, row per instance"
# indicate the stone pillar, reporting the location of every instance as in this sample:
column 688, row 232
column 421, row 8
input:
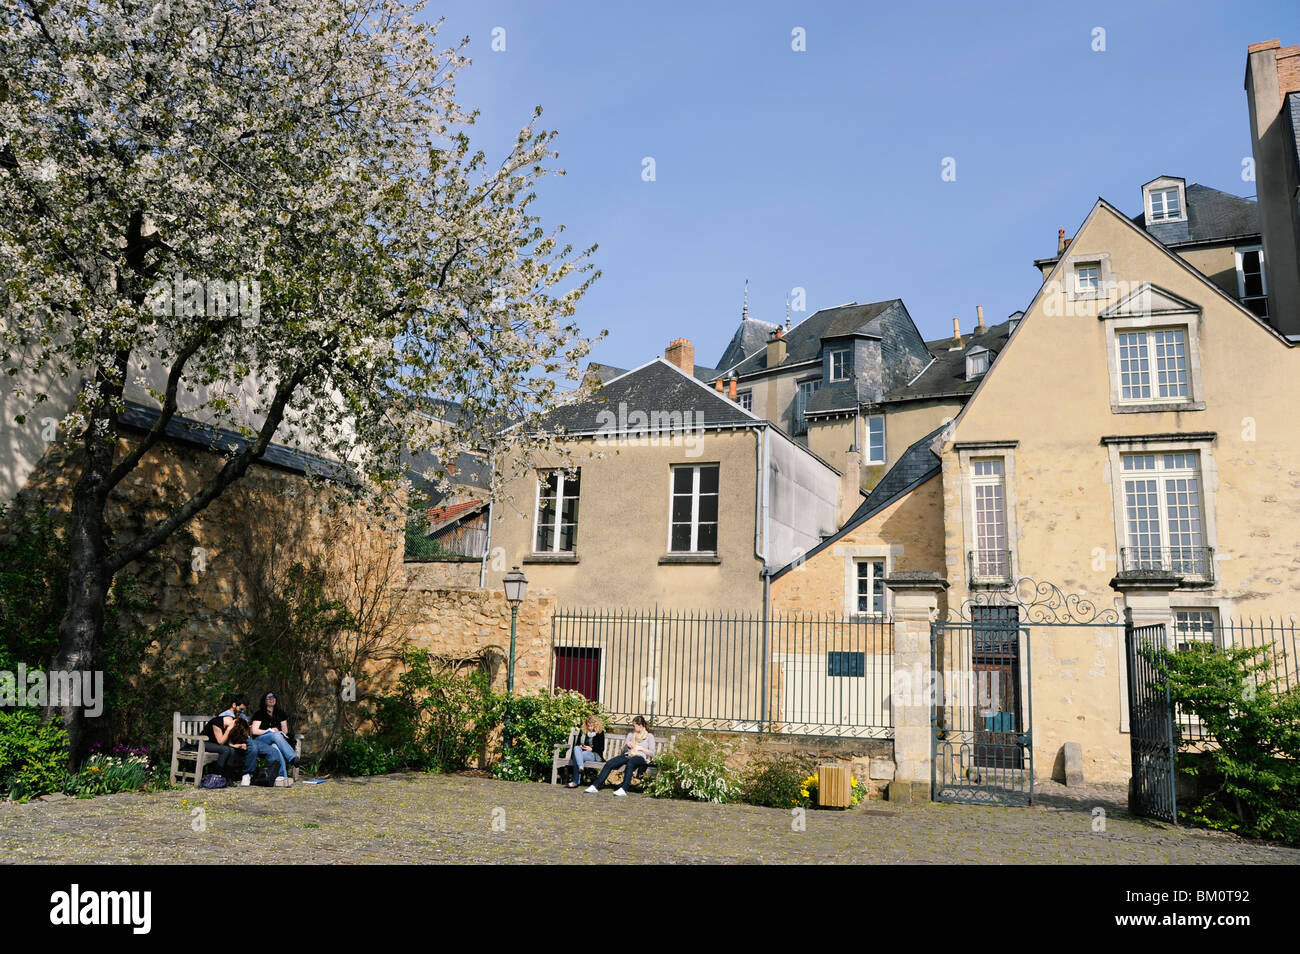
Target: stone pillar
column 916, row 606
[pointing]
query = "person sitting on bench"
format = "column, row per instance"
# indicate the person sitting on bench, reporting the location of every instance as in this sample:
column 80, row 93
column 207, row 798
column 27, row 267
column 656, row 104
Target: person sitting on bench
column 638, row 750
column 589, row 746
column 227, row 736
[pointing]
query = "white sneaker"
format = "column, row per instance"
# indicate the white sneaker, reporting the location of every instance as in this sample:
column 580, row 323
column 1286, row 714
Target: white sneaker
column 284, row 781
column 620, row 793
column 591, row 788
column 246, row 780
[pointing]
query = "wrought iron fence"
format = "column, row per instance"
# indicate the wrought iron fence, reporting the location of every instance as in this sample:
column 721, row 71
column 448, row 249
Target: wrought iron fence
column 1280, row 641
column 1194, row 562
column 796, row 673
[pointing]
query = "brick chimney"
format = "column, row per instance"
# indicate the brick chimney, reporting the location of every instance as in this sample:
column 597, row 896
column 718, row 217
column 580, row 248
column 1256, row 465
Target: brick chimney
column 717, row 385
column 775, row 348
column 957, row 343
column 980, row 327
column 681, row 353
column 731, row 386
column 850, row 485
column 1062, row 243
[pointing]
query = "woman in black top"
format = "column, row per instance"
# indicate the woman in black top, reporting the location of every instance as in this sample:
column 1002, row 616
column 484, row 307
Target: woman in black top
column 272, row 721
column 225, row 734
column 587, row 747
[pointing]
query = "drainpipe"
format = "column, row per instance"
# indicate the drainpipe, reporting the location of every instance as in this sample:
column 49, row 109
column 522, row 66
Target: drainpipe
column 767, row 648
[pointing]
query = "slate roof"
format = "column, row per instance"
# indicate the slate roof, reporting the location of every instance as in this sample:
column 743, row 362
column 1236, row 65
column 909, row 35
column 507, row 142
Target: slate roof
column 1211, row 215
column 655, row 387
column 183, row 430
column 604, row 372
column 468, row 470
column 750, row 337
column 916, row 465
column 804, row 340
column 946, row 375
column 836, row 396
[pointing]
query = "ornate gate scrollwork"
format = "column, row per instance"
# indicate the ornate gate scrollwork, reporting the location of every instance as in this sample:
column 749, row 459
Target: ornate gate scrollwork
column 1040, row 602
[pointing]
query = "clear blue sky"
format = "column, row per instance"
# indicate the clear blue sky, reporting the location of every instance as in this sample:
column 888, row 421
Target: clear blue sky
column 821, row 169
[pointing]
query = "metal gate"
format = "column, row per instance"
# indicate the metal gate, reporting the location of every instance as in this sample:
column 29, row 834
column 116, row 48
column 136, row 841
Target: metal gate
column 982, row 750
column 1151, row 724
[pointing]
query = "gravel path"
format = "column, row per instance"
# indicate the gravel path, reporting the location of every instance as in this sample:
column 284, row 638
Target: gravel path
column 429, row 818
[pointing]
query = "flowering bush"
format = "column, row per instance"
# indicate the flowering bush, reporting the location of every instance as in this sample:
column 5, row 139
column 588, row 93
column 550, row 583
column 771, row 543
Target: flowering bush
column 776, row 781
column 695, row 768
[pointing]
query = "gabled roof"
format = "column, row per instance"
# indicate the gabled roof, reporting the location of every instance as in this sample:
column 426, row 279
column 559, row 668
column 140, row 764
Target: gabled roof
column 946, row 375
column 916, row 465
column 1212, row 215
column 454, row 512
column 750, row 337
column 658, row 387
column 804, row 340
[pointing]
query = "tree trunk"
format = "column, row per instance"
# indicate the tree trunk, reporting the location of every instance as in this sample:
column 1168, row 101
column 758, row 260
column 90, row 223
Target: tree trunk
column 82, row 629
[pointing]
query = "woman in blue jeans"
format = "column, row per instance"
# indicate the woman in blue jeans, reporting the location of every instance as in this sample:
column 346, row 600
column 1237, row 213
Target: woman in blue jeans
column 589, row 746
column 271, row 727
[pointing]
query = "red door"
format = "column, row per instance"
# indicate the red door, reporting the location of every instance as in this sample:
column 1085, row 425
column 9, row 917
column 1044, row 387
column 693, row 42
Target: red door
column 579, row 670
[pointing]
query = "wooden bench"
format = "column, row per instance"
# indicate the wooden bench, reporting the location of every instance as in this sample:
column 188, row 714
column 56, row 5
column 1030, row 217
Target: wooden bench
column 563, row 754
column 188, row 729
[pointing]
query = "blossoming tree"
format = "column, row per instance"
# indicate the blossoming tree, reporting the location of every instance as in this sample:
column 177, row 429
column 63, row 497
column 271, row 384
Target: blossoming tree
column 267, row 215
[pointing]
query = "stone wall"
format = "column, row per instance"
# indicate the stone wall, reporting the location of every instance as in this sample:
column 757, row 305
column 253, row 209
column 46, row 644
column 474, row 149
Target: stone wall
column 442, row 573
column 463, row 623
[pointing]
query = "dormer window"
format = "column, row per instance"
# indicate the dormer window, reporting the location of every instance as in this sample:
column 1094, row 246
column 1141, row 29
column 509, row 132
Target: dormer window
column 1087, row 277
column 1166, row 200
column 840, row 365
column 977, row 362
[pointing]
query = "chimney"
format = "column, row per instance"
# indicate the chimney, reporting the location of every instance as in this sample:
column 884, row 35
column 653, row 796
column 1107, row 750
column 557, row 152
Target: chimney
column 681, row 353
column 1272, row 80
column 1062, row 243
column 957, row 343
column 980, row 327
column 717, row 385
column 775, row 349
column 731, row 386
column 850, row 485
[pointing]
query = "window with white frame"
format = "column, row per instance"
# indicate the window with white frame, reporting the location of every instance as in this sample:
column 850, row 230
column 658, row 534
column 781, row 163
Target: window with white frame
column 806, row 390
column 694, row 509
column 841, row 364
column 557, row 512
column 1152, row 364
column 977, row 364
column 746, row 400
column 870, row 587
column 1165, row 206
column 876, row 439
column 990, row 559
column 1163, row 513
column 1195, row 627
column 1252, row 288
column 1087, row 277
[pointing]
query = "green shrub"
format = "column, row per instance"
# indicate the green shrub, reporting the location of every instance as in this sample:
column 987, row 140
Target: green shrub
column 33, row 754
column 438, row 719
column 1251, row 778
column 33, row 587
column 364, row 757
column 108, row 774
column 776, row 781
column 538, row 723
column 695, row 768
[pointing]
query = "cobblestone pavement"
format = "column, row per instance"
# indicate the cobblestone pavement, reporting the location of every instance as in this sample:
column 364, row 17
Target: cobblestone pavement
column 429, row 818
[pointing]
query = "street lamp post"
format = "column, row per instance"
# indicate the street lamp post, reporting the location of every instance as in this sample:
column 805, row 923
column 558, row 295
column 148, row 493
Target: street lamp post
column 516, row 585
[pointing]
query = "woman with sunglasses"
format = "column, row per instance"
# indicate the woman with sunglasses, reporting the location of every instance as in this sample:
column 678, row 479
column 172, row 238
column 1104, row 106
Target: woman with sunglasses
column 273, row 722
